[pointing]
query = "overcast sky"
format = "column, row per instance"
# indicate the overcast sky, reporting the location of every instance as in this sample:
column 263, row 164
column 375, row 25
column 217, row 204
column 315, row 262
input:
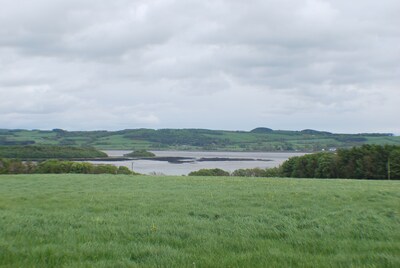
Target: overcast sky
column 329, row 65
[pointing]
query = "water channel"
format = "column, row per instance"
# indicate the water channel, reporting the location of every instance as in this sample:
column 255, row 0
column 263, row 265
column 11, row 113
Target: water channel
column 192, row 161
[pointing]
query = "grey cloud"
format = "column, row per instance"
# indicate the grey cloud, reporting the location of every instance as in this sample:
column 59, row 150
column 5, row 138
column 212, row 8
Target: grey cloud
column 170, row 63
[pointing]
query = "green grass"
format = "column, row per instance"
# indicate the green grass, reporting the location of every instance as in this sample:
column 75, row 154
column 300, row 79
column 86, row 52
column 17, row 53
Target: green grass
column 120, row 142
column 126, row 221
column 195, row 139
column 36, row 136
column 383, row 140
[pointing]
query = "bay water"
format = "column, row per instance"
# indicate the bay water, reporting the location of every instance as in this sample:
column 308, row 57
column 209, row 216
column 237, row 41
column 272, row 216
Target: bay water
column 234, row 160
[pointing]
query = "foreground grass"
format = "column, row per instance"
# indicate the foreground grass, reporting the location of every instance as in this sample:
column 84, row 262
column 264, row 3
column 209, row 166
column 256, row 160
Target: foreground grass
column 123, row 221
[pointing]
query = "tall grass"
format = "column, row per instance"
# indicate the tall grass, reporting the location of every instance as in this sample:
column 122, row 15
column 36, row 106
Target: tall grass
column 125, row 221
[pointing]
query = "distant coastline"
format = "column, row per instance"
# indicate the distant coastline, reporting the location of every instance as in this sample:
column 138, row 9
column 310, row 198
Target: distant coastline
column 257, row 140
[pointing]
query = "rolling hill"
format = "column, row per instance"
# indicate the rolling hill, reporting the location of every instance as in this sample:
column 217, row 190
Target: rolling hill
column 259, row 139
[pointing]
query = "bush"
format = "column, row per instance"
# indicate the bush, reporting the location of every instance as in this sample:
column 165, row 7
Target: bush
column 209, row 172
column 81, row 168
column 105, row 169
column 4, row 163
column 249, row 172
column 54, row 166
column 140, row 153
column 258, row 172
column 124, row 170
column 12, row 166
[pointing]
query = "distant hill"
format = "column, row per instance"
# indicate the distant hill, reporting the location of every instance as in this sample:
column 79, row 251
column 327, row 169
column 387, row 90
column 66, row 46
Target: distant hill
column 315, row 132
column 33, row 152
column 262, row 130
column 258, row 139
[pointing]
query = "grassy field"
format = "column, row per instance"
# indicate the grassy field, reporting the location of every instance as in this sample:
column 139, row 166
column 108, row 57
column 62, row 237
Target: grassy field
column 139, row 221
column 196, row 139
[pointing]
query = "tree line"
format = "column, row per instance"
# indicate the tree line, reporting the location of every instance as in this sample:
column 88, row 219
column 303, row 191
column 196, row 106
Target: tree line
column 13, row 166
column 366, row 162
column 49, row 152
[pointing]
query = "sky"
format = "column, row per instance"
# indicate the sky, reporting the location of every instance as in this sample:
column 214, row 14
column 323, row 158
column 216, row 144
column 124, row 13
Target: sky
column 331, row 65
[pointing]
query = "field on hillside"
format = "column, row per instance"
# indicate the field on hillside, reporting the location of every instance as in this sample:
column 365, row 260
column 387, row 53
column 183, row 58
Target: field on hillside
column 143, row 221
column 259, row 139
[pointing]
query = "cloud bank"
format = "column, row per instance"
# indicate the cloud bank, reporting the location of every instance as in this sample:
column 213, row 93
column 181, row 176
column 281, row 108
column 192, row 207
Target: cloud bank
column 288, row 64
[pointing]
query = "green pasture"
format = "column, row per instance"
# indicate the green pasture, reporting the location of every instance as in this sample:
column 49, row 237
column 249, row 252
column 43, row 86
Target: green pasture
column 196, row 139
column 143, row 221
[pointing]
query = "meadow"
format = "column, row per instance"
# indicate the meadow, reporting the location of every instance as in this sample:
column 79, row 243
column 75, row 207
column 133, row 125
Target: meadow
column 259, row 139
column 67, row 220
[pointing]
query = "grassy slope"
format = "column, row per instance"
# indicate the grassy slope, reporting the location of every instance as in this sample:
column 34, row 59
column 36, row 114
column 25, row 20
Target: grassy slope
column 33, row 152
column 122, row 221
column 187, row 139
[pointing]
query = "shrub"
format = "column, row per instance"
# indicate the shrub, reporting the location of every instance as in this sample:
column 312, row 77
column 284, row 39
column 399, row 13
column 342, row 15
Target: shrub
column 209, row 172
column 249, row 172
column 81, row 168
column 105, row 169
column 257, row 172
column 140, row 153
column 4, row 166
column 54, row 166
column 124, row 170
